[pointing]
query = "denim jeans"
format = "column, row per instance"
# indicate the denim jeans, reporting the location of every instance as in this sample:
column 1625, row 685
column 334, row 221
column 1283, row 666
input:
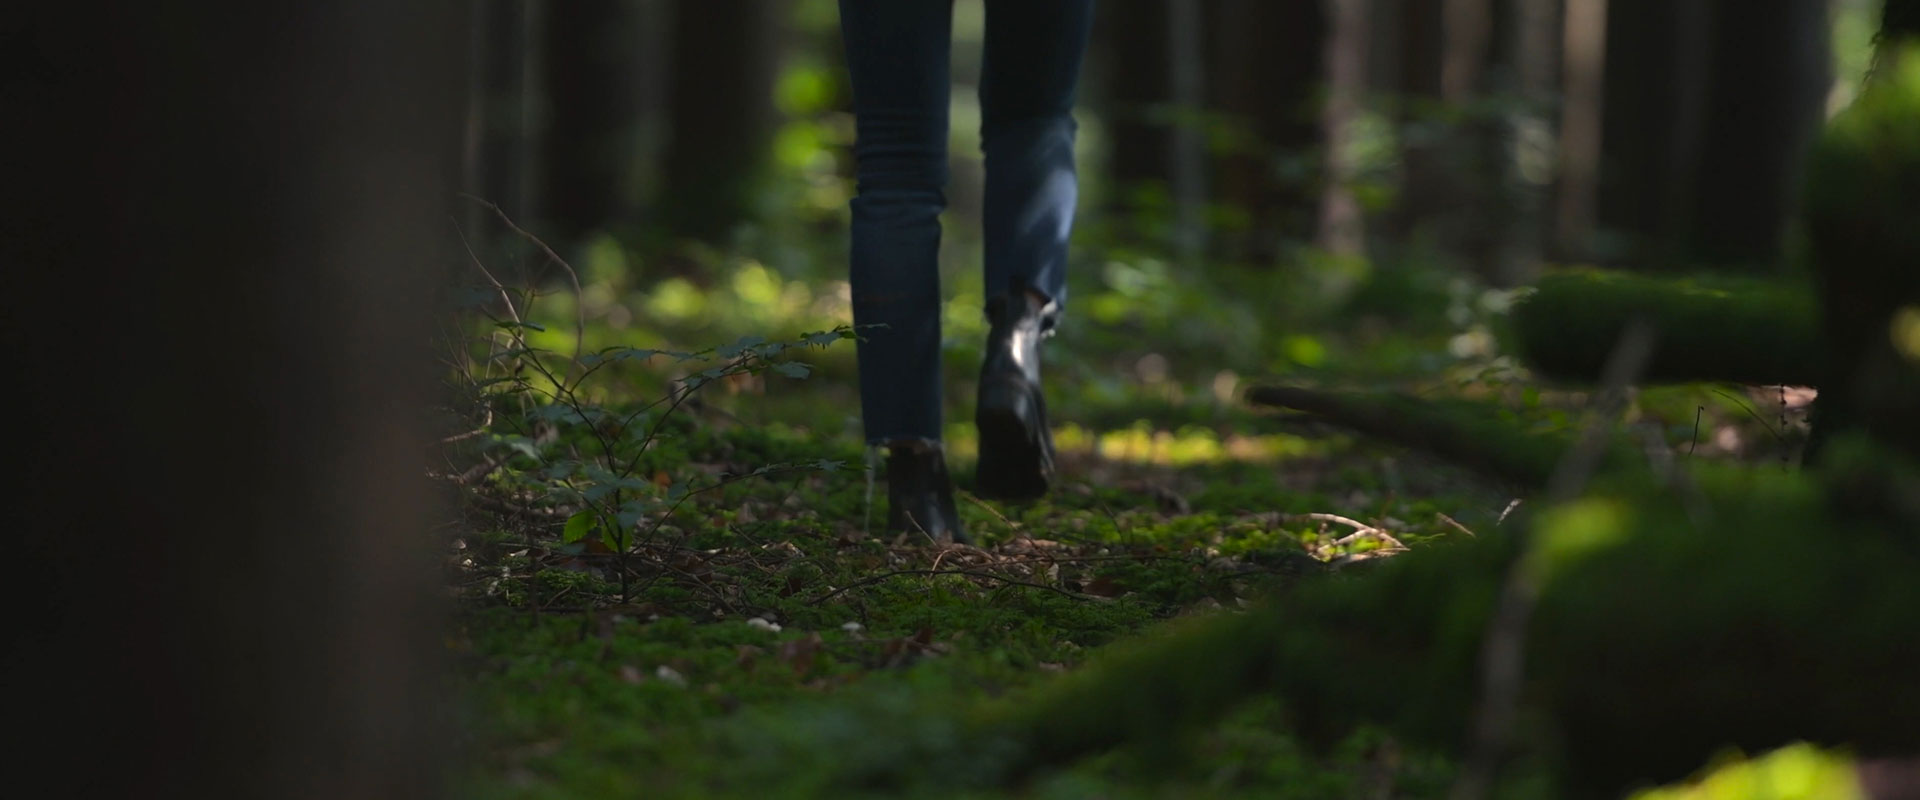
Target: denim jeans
column 897, row 55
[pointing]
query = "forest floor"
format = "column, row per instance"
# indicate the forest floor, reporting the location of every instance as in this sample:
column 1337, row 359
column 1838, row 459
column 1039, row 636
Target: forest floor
column 755, row 608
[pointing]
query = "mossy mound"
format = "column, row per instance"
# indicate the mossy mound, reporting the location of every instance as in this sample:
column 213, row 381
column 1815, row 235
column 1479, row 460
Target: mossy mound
column 1485, row 438
column 1673, row 621
column 1707, row 328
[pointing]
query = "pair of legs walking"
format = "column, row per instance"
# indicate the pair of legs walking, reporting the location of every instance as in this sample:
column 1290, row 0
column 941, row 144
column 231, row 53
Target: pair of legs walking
column 897, row 55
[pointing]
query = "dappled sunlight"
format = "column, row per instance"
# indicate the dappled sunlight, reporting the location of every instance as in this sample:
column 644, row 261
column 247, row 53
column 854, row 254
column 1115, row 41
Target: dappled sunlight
column 1189, row 446
column 1794, row 772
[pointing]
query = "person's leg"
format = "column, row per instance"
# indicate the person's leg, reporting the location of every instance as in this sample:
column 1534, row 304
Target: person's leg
column 1029, row 74
column 1032, row 64
column 897, row 52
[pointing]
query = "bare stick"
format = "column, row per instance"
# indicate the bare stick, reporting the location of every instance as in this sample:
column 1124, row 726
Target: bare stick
column 1502, row 656
column 1324, row 517
column 579, row 295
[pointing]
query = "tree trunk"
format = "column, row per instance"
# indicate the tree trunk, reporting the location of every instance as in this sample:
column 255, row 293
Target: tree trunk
column 721, row 111
column 501, row 123
column 1340, row 229
column 592, row 87
column 1576, row 178
column 1270, row 67
column 1534, row 39
column 1770, row 76
column 1422, row 187
column 1655, row 84
column 1131, row 40
column 1710, row 106
column 228, row 588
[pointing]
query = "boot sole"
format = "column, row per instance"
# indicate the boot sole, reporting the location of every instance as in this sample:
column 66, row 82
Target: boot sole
column 1015, row 461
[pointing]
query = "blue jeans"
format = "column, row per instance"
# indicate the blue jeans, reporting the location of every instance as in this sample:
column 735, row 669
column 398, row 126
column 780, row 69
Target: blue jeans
column 897, row 54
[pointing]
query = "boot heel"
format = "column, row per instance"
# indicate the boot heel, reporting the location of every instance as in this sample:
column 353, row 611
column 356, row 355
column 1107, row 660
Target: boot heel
column 1016, row 459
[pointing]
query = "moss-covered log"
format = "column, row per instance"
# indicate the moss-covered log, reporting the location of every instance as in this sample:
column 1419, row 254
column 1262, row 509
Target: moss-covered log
column 1671, row 623
column 1715, row 328
column 1487, row 439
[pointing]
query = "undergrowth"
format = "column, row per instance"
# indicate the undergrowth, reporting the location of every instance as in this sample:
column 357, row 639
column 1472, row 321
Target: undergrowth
column 671, row 580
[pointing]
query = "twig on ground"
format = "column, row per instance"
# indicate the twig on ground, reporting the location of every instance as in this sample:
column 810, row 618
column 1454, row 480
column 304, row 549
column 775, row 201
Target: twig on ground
column 1011, row 525
column 1350, row 522
column 1373, row 533
column 1455, row 524
column 481, row 470
column 1502, row 656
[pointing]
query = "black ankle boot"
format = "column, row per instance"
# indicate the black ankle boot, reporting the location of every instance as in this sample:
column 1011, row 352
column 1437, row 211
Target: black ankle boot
column 1016, row 447
column 919, row 493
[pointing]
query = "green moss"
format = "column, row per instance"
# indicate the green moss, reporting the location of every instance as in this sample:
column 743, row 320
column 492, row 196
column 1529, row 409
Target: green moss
column 1672, row 621
column 1486, row 438
column 1707, row 328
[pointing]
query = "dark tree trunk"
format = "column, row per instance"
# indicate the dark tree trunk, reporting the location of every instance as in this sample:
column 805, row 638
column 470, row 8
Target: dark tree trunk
column 593, row 93
column 1130, row 37
column 1710, row 107
column 1270, row 69
column 1576, row 175
column 227, row 588
column 1770, row 77
column 501, row 124
column 725, row 55
column 1655, row 83
column 1339, row 228
column 1421, row 45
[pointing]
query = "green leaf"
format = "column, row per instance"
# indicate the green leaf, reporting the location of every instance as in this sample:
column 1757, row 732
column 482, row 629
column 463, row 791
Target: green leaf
column 578, row 526
column 792, row 369
column 615, row 540
column 744, row 344
column 521, row 445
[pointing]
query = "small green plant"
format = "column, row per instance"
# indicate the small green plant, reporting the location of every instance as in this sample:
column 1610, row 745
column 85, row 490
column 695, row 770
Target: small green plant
column 547, row 444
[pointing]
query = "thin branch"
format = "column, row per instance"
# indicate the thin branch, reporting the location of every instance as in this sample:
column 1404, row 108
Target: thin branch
column 1324, row 517
column 505, row 296
column 1744, row 406
column 1455, row 524
column 579, row 295
column 1503, row 653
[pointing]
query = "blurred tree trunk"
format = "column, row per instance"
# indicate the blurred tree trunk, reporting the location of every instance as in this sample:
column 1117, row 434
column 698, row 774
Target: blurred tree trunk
column 1132, row 40
column 1655, row 85
column 1186, row 28
column 1421, row 43
column 1770, row 75
column 501, row 123
column 1340, row 229
column 1271, row 65
column 725, row 56
column 228, row 588
column 1533, row 35
column 1710, row 105
column 1576, row 175
column 593, row 90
